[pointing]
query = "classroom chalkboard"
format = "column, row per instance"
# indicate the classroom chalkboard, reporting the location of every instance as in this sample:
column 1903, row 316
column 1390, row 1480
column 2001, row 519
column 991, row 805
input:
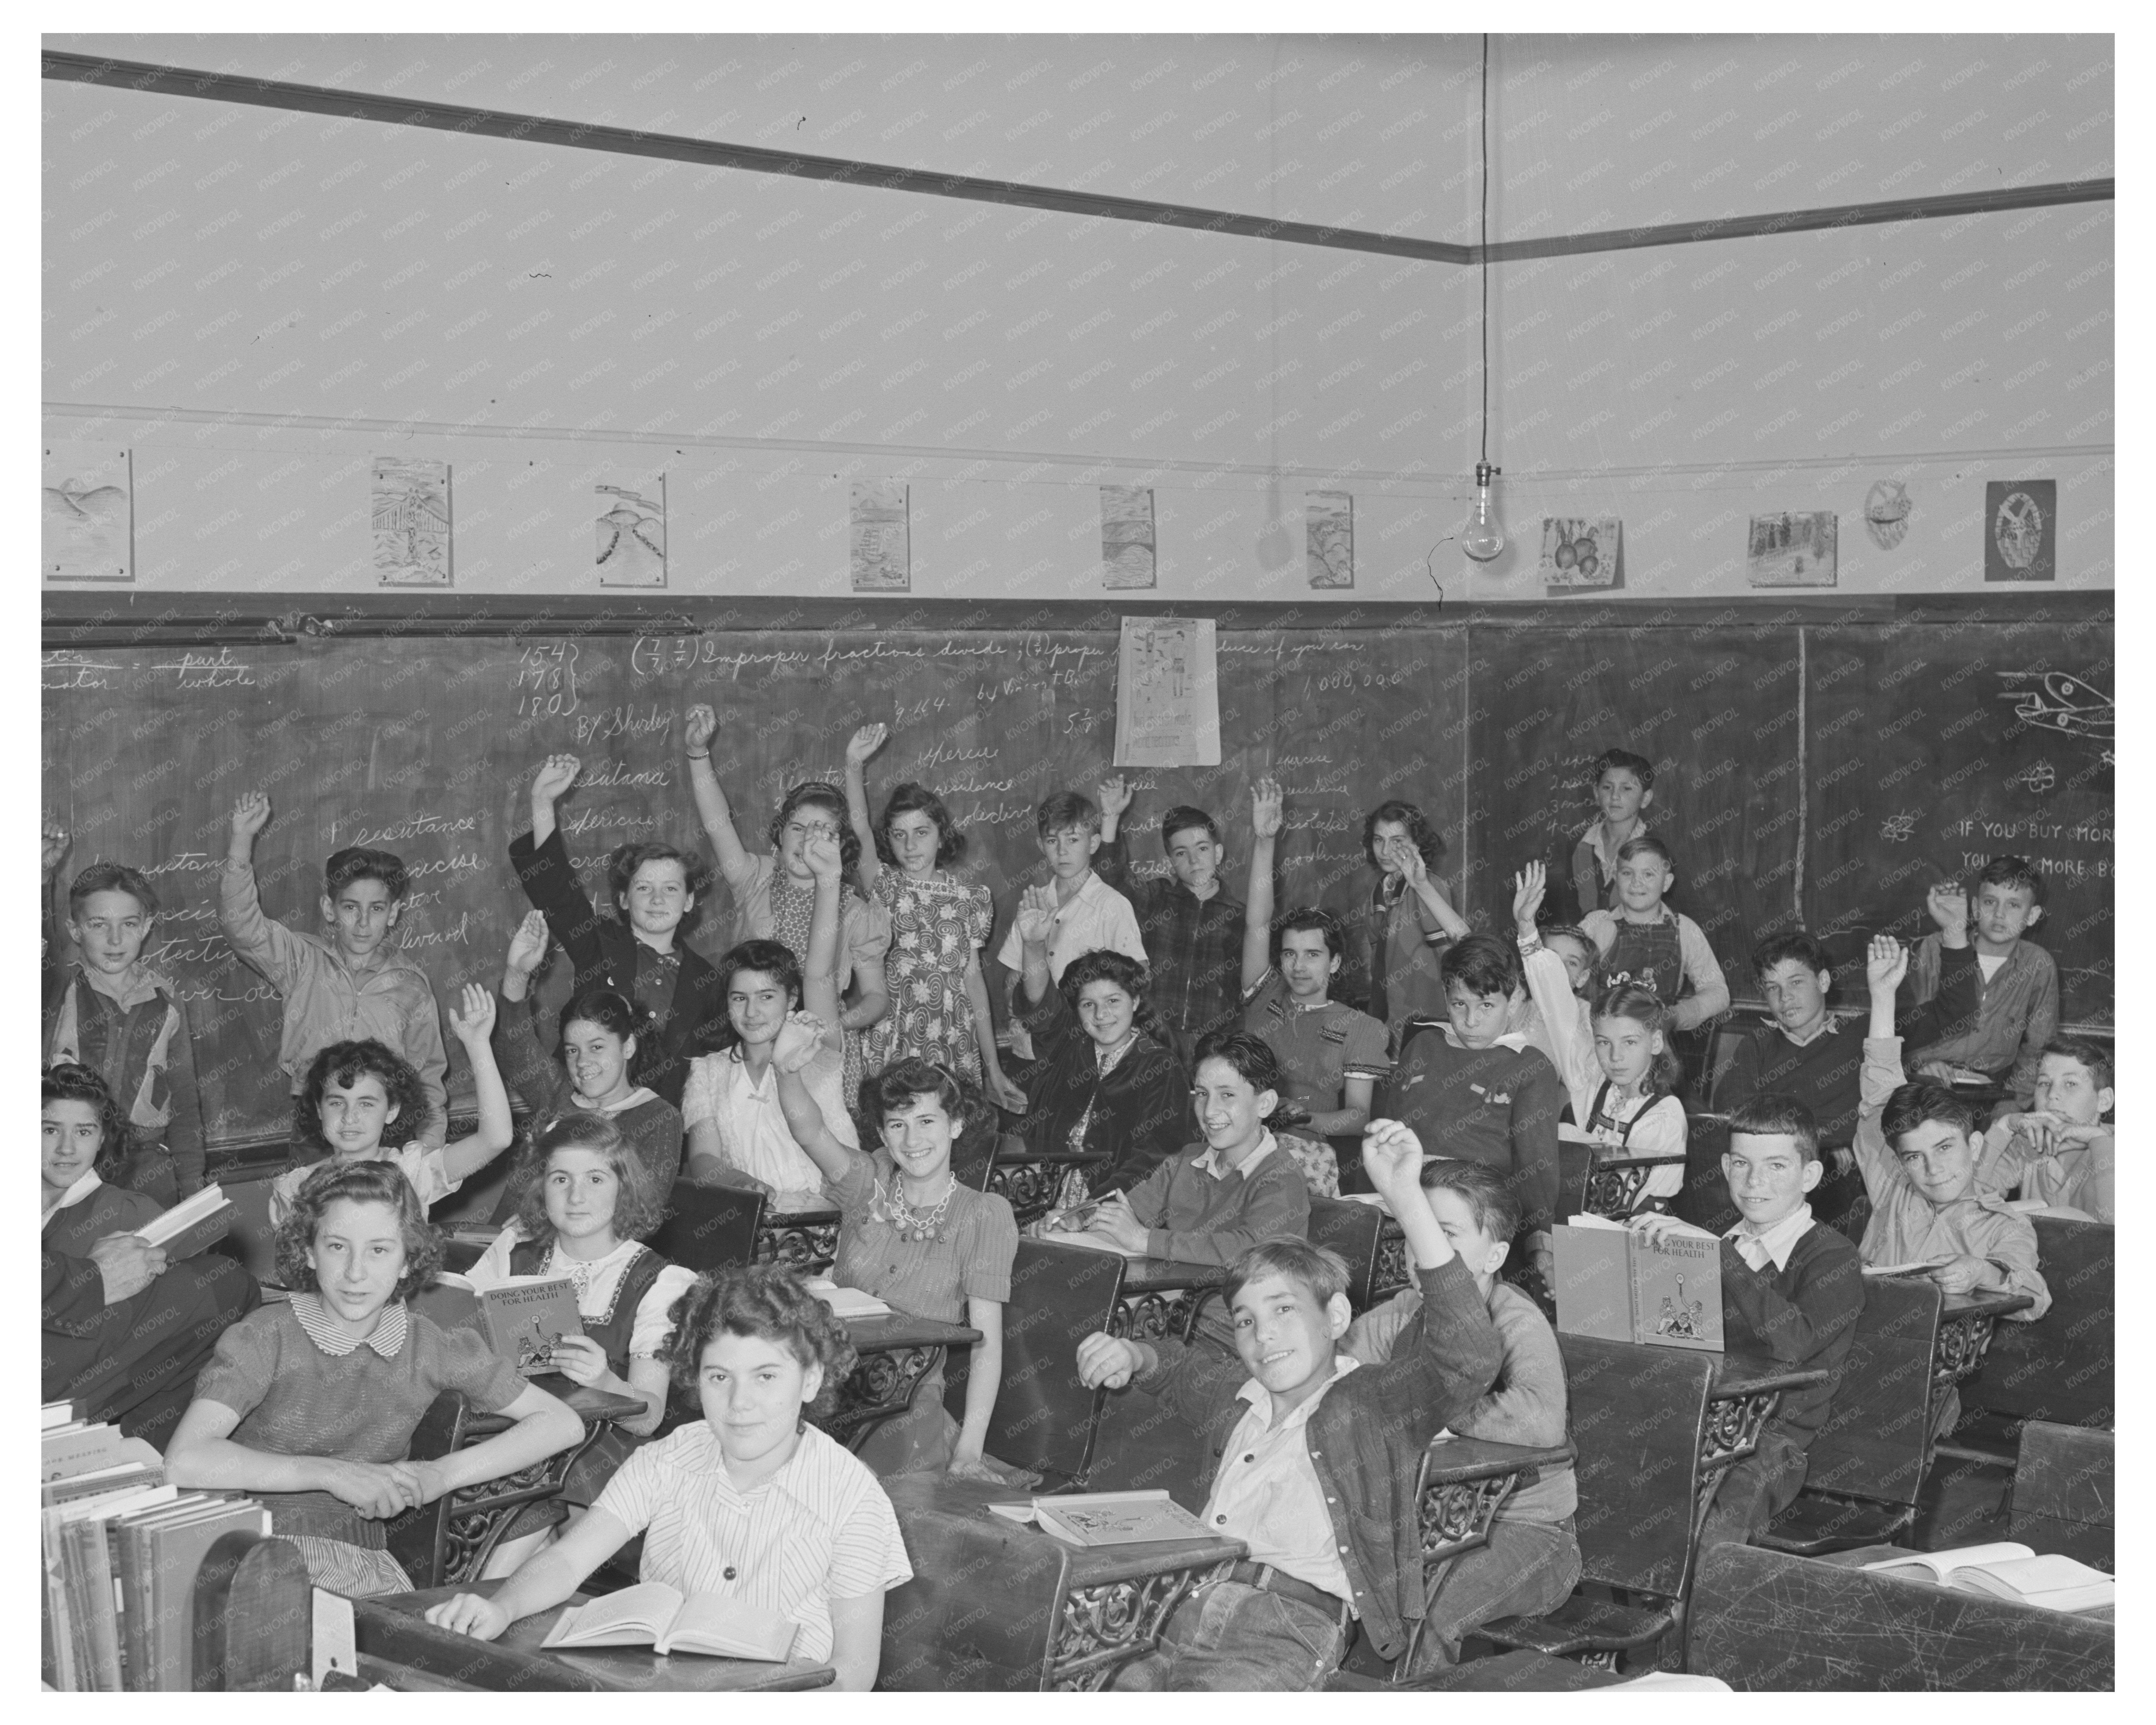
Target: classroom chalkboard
column 1818, row 773
column 426, row 747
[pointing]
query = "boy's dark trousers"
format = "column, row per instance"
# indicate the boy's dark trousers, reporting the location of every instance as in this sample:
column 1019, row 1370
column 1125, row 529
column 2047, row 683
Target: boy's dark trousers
column 1755, row 1491
column 1230, row 1636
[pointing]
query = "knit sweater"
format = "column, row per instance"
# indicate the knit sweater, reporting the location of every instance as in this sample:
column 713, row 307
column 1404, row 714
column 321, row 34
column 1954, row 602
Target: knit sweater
column 1821, row 1074
column 1497, row 1106
column 1193, row 1217
column 1803, row 1314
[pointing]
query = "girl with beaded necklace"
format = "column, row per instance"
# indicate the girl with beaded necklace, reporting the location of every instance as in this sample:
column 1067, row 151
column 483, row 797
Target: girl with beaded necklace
column 914, row 1235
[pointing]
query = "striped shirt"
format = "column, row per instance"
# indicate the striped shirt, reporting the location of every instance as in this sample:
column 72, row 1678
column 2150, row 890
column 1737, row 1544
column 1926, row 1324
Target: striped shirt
column 819, row 1529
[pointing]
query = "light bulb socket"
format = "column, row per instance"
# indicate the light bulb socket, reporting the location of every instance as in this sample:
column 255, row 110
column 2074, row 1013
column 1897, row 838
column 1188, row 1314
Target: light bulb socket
column 1484, row 473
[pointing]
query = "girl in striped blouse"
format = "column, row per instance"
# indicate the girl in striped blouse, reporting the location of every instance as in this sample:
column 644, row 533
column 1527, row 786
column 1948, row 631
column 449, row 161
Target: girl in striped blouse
column 751, row 1502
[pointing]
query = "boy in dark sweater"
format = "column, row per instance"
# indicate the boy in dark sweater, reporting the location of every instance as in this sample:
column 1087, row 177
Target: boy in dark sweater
column 1803, row 1052
column 1472, row 1090
column 1316, row 1455
column 1790, row 1286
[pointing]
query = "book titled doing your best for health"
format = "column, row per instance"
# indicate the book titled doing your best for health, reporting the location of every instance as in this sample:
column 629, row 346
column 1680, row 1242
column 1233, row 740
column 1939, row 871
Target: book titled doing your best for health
column 1663, row 1289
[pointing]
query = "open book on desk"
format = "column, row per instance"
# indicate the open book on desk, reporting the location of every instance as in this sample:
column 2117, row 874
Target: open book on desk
column 846, row 1303
column 1106, row 1518
column 653, row 1614
column 2006, row 1570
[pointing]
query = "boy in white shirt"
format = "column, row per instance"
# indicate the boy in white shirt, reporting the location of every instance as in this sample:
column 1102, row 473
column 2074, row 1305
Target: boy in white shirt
column 1089, row 914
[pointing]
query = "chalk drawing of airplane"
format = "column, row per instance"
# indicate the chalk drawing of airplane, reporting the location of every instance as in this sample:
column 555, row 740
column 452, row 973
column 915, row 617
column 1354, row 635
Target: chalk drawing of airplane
column 2060, row 701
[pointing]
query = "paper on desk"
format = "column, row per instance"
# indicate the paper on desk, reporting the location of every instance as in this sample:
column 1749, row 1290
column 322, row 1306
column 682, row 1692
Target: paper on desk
column 846, row 1303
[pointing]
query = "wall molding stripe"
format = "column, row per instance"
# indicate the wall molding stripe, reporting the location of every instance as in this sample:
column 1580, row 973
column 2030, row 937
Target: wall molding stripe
column 144, row 76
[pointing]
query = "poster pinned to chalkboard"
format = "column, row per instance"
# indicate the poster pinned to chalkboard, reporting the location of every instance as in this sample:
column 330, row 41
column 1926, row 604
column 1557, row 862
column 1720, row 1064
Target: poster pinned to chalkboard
column 1167, row 693
column 2021, row 529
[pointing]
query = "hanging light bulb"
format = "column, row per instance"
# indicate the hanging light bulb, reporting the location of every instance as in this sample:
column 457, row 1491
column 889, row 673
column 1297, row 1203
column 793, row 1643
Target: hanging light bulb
column 1483, row 538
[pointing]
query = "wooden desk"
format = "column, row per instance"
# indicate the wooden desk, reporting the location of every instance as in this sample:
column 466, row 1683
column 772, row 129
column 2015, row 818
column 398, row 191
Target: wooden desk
column 595, row 1407
column 896, row 1353
column 1162, row 1297
column 1741, row 1398
column 394, row 1627
column 1863, row 1554
column 995, row 1605
column 808, row 1239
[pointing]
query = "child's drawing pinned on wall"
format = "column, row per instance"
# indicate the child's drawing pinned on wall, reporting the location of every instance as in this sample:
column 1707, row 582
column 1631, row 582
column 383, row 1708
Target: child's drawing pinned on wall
column 1792, row 550
column 1580, row 552
column 882, row 549
column 631, row 546
column 412, row 521
column 89, row 514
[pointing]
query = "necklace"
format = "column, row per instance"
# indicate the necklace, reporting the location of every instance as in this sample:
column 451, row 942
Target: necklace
column 922, row 1224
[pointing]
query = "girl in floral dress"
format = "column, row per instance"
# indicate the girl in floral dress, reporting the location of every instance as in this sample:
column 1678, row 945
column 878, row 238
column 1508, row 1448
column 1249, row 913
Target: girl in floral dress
column 939, row 1001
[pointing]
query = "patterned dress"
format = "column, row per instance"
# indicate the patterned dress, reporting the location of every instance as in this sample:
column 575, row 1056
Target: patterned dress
column 936, row 922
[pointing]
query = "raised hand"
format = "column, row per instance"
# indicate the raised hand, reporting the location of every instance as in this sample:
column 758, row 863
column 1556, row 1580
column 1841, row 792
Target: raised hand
column 556, row 774
column 1392, row 1157
column 53, row 847
column 476, row 1023
column 1528, row 887
column 1949, row 903
column 698, row 727
column 864, row 742
column 1268, row 814
column 799, row 1040
column 528, row 947
column 1113, row 794
column 250, row 813
column 1107, row 1360
column 1886, row 963
column 1408, row 860
column 1036, row 917
column 826, row 860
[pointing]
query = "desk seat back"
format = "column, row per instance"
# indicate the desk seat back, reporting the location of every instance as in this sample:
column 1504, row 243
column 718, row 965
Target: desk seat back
column 983, row 1609
column 1638, row 1415
column 1704, row 1199
column 1764, row 1621
column 2066, row 1492
column 708, row 1227
column 2059, row 1368
column 1044, row 1419
column 1574, row 1163
column 1875, row 1442
column 1351, row 1229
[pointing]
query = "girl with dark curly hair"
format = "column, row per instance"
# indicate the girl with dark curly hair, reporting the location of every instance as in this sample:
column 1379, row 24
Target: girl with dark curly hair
column 1410, row 919
column 609, row 1046
column 775, row 893
column 361, row 1097
column 310, row 1404
column 914, row 1235
column 751, row 1502
column 86, row 1141
column 939, row 923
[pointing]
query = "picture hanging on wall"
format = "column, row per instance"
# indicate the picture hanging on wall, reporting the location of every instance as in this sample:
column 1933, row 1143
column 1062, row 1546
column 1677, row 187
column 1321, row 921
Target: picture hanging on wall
column 631, row 543
column 882, row 545
column 2021, row 529
column 1578, row 552
column 1886, row 508
column 1126, row 536
column 412, row 521
column 88, row 513
column 1328, row 520
column 1792, row 550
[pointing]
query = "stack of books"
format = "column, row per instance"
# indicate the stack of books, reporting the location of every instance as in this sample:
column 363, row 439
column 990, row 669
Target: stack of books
column 122, row 1548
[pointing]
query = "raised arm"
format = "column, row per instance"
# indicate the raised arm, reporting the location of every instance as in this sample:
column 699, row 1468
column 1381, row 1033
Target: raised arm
column 1550, row 989
column 1440, row 922
column 864, row 742
column 549, row 784
column 1001, row 1090
column 1266, row 819
column 1036, row 927
column 697, row 731
column 1459, row 1355
column 535, row 1078
column 497, row 1128
column 819, row 974
column 799, row 1042
column 263, row 945
column 1111, row 862
column 1885, row 964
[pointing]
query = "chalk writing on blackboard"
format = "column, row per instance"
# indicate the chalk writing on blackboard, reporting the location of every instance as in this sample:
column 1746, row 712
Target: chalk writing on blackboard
column 547, row 680
column 2060, row 701
column 199, row 671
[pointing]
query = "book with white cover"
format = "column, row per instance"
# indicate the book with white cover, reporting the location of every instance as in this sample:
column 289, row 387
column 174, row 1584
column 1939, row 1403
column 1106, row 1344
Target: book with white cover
column 846, row 1303
column 654, row 1615
column 2006, row 1570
